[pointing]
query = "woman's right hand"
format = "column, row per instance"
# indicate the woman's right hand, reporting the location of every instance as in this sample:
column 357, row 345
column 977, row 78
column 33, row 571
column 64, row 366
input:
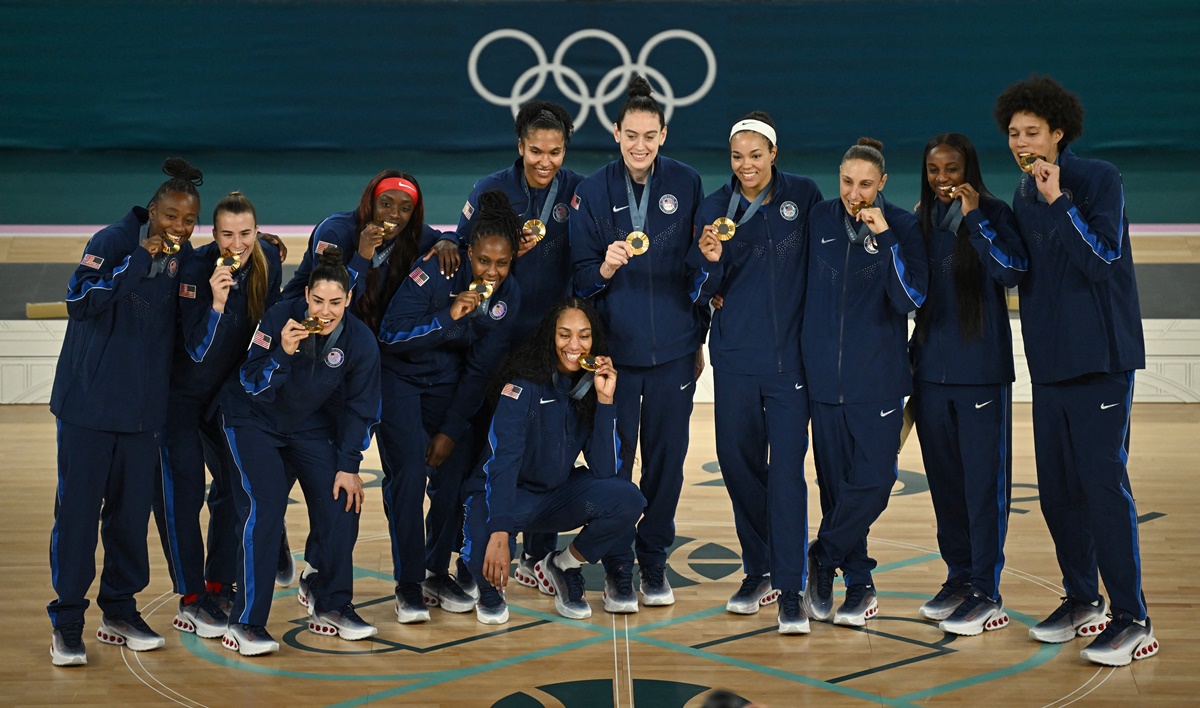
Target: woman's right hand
column 606, row 380
column 153, row 244
column 466, row 301
column 293, row 333
column 617, row 255
column 710, row 244
column 369, row 239
column 496, row 560
column 220, row 282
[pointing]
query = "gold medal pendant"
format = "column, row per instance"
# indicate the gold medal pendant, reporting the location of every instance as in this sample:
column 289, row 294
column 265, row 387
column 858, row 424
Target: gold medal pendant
column 313, row 324
column 171, row 244
column 1026, row 160
column 386, row 226
column 231, row 260
column 948, row 190
column 856, row 207
column 537, row 227
column 725, row 228
column 639, row 242
column 587, row 362
column 483, row 287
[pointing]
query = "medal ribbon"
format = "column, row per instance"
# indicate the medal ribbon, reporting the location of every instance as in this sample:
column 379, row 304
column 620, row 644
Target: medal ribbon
column 953, row 218
column 637, row 214
column 735, row 199
column 544, row 216
column 856, row 237
column 333, row 336
column 382, row 253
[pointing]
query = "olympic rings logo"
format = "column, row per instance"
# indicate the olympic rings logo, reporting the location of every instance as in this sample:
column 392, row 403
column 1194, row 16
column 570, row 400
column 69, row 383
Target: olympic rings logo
column 572, row 85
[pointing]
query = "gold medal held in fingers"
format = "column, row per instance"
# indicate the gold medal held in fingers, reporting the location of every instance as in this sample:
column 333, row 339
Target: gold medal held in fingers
column 948, row 189
column 1026, row 160
column 725, row 228
column 856, row 207
column 537, row 227
column 587, row 362
column 171, row 244
column 313, row 324
column 230, row 259
column 639, row 242
column 387, row 225
column 483, row 287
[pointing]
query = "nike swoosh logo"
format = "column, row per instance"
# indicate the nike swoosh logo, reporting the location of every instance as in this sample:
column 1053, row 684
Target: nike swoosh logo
column 689, row 383
column 616, row 208
column 552, row 400
column 981, row 405
column 884, row 415
column 828, row 240
column 799, row 386
column 1106, row 406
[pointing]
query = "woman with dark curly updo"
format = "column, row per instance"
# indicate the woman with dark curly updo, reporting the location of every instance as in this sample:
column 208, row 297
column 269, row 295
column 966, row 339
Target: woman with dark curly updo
column 1082, row 328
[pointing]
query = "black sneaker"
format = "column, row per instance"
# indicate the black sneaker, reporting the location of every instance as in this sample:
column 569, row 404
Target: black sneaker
column 974, row 615
column 859, row 606
column 466, row 581
column 943, row 604
column 410, row 604
column 755, row 592
column 1122, row 641
column 343, row 622
column 130, row 630
column 66, row 645
column 491, row 608
column 1074, row 617
column 444, row 592
column 818, row 596
column 568, row 587
column 619, row 597
column 656, row 590
column 285, row 571
column 792, row 619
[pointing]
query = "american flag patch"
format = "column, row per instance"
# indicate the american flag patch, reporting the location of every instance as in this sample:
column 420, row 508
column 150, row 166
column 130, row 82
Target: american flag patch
column 322, row 245
column 575, row 202
column 92, row 261
column 511, row 391
column 262, row 340
column 468, row 210
column 419, row 276
column 188, row 291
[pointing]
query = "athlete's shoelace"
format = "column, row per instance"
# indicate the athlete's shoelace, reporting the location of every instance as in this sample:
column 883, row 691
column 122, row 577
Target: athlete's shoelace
column 950, row 589
column 255, row 632
column 1066, row 608
column 72, row 633
column 968, row 606
column 789, row 600
column 411, row 592
column 347, row 612
column 1116, row 625
column 855, row 594
column 623, row 578
column 489, row 597
column 750, row 585
column 210, row 606
column 825, row 576
column 574, row 578
column 137, row 623
column 652, row 575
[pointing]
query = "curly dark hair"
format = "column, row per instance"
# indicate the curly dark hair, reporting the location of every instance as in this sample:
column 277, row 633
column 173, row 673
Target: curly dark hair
column 184, row 178
column 544, row 115
column 1043, row 97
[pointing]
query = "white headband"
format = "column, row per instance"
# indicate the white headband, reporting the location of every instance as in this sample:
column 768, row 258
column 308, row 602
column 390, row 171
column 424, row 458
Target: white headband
column 757, row 126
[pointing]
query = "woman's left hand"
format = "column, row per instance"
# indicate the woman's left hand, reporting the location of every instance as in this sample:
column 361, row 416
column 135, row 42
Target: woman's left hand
column 352, row 483
column 448, row 256
column 1045, row 176
column 496, row 560
column 276, row 242
column 969, row 197
column 439, row 450
column 606, row 379
column 873, row 218
column 527, row 242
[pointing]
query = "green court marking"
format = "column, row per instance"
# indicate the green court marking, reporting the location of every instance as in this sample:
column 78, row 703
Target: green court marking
column 915, row 560
column 1044, row 653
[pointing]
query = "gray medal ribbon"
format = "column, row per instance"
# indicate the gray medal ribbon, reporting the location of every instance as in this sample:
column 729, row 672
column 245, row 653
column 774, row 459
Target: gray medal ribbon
column 382, row 254
column 544, row 216
column 953, row 218
column 333, row 336
column 751, row 210
column 856, row 237
column 637, row 213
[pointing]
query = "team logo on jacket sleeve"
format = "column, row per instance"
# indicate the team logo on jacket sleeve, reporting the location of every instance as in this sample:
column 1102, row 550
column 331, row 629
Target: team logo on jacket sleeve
column 560, row 213
column 468, row 210
column 499, row 310
column 92, row 261
column 188, row 291
column 334, row 358
column 419, row 276
column 512, row 391
column 789, row 210
column 261, row 339
column 668, row 204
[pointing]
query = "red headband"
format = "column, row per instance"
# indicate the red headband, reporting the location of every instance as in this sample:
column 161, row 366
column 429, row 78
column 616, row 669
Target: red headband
column 390, row 183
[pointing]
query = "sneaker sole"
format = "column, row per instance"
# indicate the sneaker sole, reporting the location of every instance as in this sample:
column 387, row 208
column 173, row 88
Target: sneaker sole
column 302, row 598
column 234, row 645
column 108, row 636
column 569, row 613
column 1062, row 636
column 937, row 616
column 973, row 629
column 1145, row 649
column 815, row 614
column 326, row 629
column 626, row 607
column 414, row 618
column 492, row 619
column 62, row 660
column 204, row 631
column 528, row 581
column 857, row 620
column 658, row 600
column 794, row 627
column 457, row 607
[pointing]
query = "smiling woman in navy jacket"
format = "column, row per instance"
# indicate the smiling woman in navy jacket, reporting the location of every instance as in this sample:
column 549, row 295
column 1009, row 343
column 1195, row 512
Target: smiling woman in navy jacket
column 219, row 307
column 548, row 411
column 631, row 228
column 1082, row 328
column 304, row 352
column 962, row 376
column 110, row 400
column 442, row 339
column 866, row 272
column 539, row 188
column 756, row 273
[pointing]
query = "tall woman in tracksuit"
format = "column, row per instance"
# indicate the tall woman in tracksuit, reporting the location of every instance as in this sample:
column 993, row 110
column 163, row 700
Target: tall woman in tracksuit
column 757, row 275
column 548, row 412
column 275, row 414
column 1082, row 328
column 539, row 188
column 442, row 339
column 110, row 401
column 631, row 228
column 962, row 380
column 866, row 272
column 219, row 307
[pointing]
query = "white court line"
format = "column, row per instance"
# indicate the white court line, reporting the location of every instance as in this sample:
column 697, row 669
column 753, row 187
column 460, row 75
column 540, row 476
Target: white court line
column 1089, row 691
column 152, row 607
column 616, row 669
column 628, row 661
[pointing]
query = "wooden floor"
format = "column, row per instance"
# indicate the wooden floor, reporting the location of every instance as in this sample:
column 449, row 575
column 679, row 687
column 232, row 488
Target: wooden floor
column 661, row 656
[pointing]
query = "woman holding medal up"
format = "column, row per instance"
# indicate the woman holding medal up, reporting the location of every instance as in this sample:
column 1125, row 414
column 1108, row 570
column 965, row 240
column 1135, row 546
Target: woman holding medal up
column 631, row 227
column 962, row 380
column 110, row 402
column 751, row 259
column 442, row 338
column 539, row 188
column 866, row 272
column 224, row 289
column 275, row 415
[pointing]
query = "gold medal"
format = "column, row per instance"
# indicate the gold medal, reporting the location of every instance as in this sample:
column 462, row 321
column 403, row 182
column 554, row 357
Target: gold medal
column 587, row 362
column 387, row 226
column 171, row 244
column 1026, row 160
column 725, row 228
column 948, row 190
column 230, row 259
column 313, row 324
column 483, row 287
column 639, row 242
column 537, row 227
column 856, row 207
